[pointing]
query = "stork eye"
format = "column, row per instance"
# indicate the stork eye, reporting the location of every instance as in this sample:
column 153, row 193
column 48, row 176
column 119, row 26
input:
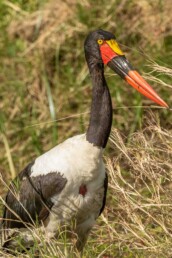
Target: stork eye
column 100, row 41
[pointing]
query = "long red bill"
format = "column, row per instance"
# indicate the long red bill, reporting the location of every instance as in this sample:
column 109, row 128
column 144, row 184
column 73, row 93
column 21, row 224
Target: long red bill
column 123, row 68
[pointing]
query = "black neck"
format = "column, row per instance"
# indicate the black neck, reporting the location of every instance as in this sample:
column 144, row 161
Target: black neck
column 101, row 108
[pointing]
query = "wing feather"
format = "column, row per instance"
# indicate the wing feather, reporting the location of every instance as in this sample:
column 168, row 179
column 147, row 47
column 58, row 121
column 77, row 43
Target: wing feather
column 29, row 199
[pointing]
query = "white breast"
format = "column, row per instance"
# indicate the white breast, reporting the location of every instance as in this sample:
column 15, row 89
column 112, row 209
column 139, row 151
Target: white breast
column 80, row 162
column 75, row 157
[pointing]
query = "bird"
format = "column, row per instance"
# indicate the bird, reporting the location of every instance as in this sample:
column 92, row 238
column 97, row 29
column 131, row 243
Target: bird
column 69, row 182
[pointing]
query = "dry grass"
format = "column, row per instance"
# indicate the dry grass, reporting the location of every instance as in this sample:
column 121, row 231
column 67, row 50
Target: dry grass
column 147, row 22
column 48, row 27
column 151, row 21
column 140, row 183
column 159, row 70
column 42, row 71
column 138, row 216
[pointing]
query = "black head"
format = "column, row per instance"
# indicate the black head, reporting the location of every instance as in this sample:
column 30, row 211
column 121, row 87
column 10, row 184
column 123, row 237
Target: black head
column 102, row 48
column 91, row 45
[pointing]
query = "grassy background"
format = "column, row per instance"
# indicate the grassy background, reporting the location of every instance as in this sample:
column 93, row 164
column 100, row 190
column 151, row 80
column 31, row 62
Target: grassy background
column 45, row 95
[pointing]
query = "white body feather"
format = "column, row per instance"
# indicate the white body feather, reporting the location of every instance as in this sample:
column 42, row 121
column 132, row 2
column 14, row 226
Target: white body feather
column 80, row 163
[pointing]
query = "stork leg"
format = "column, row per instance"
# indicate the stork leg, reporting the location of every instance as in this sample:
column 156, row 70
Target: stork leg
column 82, row 231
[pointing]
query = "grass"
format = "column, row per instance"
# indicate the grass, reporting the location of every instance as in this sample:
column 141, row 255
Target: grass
column 45, row 98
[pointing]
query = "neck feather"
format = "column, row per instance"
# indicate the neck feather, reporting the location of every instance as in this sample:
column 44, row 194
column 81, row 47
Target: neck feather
column 101, row 109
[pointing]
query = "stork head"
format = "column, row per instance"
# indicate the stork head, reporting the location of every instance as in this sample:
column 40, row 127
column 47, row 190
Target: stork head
column 103, row 48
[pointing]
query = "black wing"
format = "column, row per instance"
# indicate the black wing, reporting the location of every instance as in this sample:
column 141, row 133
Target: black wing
column 29, row 198
column 105, row 193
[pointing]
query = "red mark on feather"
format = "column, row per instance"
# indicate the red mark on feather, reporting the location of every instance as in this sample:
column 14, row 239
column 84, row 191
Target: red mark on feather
column 83, row 190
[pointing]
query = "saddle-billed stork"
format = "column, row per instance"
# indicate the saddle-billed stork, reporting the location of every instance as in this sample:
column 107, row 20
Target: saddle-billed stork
column 69, row 181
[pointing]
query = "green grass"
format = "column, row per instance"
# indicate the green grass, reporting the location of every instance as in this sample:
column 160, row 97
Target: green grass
column 45, row 96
